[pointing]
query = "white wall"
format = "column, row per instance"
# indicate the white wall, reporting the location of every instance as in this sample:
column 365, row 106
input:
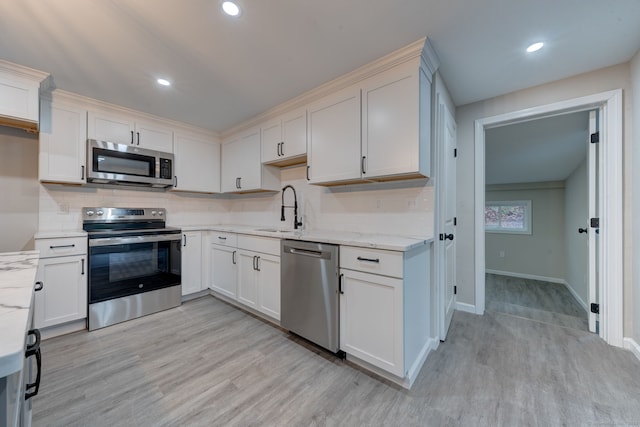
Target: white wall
column 634, row 299
column 19, row 189
column 576, row 244
column 390, row 208
column 585, row 84
column 541, row 253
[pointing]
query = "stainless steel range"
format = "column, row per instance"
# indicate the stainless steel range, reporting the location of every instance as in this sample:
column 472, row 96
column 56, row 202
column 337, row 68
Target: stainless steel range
column 134, row 264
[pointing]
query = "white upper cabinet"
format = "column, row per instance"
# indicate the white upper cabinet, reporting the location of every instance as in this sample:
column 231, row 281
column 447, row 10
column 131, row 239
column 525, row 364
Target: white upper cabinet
column 334, row 137
column 19, row 95
column 284, row 139
column 197, row 167
column 63, row 131
column 123, row 129
column 242, row 169
column 396, row 118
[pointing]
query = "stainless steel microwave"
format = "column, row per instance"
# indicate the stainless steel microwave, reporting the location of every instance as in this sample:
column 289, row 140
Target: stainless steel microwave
column 111, row 163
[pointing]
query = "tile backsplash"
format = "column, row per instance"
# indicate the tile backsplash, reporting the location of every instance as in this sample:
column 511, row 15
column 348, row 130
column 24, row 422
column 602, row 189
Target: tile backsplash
column 404, row 207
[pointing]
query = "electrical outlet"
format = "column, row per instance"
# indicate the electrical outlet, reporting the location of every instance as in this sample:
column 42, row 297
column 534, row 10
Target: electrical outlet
column 411, row 203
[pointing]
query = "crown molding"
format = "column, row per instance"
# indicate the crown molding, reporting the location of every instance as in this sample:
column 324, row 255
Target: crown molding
column 22, row 71
column 420, row 50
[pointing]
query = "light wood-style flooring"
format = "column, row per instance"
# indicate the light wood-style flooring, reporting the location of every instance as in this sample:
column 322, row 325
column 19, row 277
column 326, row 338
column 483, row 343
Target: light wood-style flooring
column 536, row 300
column 209, row 364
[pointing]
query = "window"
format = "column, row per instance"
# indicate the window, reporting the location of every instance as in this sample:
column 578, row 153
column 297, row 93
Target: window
column 508, row 217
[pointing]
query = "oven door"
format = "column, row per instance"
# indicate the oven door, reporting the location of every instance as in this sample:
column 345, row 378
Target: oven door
column 129, row 265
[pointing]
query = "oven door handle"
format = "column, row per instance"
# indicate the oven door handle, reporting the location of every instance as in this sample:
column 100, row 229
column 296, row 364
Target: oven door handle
column 113, row 241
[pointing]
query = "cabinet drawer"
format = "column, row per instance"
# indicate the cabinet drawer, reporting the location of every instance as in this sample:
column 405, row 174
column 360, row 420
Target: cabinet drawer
column 265, row 245
column 62, row 246
column 223, row 238
column 387, row 263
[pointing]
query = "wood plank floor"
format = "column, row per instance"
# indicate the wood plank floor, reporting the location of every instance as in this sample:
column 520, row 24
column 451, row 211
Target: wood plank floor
column 536, row 300
column 209, row 364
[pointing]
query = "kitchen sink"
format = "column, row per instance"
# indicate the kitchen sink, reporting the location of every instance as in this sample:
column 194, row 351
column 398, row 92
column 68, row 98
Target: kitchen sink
column 271, row 230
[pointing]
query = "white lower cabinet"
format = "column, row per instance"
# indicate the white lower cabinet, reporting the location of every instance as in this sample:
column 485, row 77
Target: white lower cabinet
column 191, row 269
column 224, row 266
column 385, row 308
column 63, row 296
column 371, row 319
column 247, row 269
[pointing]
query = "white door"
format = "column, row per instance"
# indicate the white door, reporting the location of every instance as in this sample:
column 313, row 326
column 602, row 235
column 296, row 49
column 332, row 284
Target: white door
column 231, row 157
column 191, row 262
column 271, row 135
column 294, row 134
column 269, row 285
column 108, row 127
column 447, row 268
column 223, row 270
column 154, row 137
column 197, row 165
column 247, row 278
column 593, row 227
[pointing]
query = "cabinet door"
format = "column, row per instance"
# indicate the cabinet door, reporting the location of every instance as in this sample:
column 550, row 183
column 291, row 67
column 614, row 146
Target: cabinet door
column 271, row 134
column 231, row 158
column 64, row 294
column 19, row 98
column 191, row 262
column 250, row 166
column 154, row 137
column 63, row 131
column 390, row 122
column 224, row 270
column 197, row 165
column 269, row 285
column 294, row 134
column 334, row 137
column 371, row 325
column 110, row 127
column 247, row 278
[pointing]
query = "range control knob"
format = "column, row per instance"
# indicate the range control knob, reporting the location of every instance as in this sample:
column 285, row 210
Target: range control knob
column 100, row 213
column 90, row 213
column 160, row 213
column 153, row 213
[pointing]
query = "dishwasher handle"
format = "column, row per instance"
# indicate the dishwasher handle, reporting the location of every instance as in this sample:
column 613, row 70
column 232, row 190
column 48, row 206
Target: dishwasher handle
column 306, row 252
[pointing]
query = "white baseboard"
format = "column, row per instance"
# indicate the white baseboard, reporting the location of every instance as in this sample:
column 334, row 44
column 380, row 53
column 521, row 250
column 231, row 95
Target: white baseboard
column 431, row 345
column 527, row 276
column 631, row 345
column 543, row 279
column 468, row 308
column 577, row 297
column 63, row 329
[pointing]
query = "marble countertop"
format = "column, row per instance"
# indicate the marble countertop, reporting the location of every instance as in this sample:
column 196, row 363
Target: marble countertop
column 17, row 279
column 59, row 234
column 363, row 240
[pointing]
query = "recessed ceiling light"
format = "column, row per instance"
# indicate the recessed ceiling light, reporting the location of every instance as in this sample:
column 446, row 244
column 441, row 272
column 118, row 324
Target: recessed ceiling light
column 231, row 8
column 164, row 82
column 534, row 47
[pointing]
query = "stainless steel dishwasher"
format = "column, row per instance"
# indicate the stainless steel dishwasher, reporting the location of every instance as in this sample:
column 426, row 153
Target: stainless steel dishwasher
column 310, row 296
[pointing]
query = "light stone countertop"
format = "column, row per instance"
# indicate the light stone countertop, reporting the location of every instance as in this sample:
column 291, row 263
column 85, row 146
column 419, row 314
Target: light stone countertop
column 17, row 279
column 363, row 240
column 59, row 234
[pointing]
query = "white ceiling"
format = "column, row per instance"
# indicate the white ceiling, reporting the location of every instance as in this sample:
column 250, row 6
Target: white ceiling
column 227, row 70
column 542, row 150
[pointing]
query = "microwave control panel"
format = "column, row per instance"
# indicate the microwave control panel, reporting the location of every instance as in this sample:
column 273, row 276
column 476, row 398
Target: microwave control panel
column 165, row 169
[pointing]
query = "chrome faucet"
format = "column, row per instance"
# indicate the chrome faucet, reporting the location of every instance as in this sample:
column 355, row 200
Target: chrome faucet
column 296, row 223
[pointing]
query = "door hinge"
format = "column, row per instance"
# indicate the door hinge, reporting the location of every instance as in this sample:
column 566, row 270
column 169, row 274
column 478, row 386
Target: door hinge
column 455, row 220
column 595, row 222
column 455, row 290
column 595, row 137
column 595, row 308
column 455, row 152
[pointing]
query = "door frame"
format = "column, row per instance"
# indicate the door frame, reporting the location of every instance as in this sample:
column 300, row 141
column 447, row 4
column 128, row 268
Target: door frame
column 610, row 261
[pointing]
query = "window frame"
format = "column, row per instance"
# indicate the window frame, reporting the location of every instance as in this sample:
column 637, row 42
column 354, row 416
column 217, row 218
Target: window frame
column 527, row 216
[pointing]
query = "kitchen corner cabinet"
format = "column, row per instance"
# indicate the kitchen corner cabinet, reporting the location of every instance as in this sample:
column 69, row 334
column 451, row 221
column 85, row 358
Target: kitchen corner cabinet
column 121, row 129
column 242, row 169
column 62, row 152
column 284, row 139
column 197, row 164
column 334, row 138
column 191, row 269
column 385, row 308
column 19, row 95
column 223, row 263
column 62, row 269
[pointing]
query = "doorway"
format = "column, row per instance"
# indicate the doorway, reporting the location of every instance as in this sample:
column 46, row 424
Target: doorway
column 609, row 263
column 536, row 215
